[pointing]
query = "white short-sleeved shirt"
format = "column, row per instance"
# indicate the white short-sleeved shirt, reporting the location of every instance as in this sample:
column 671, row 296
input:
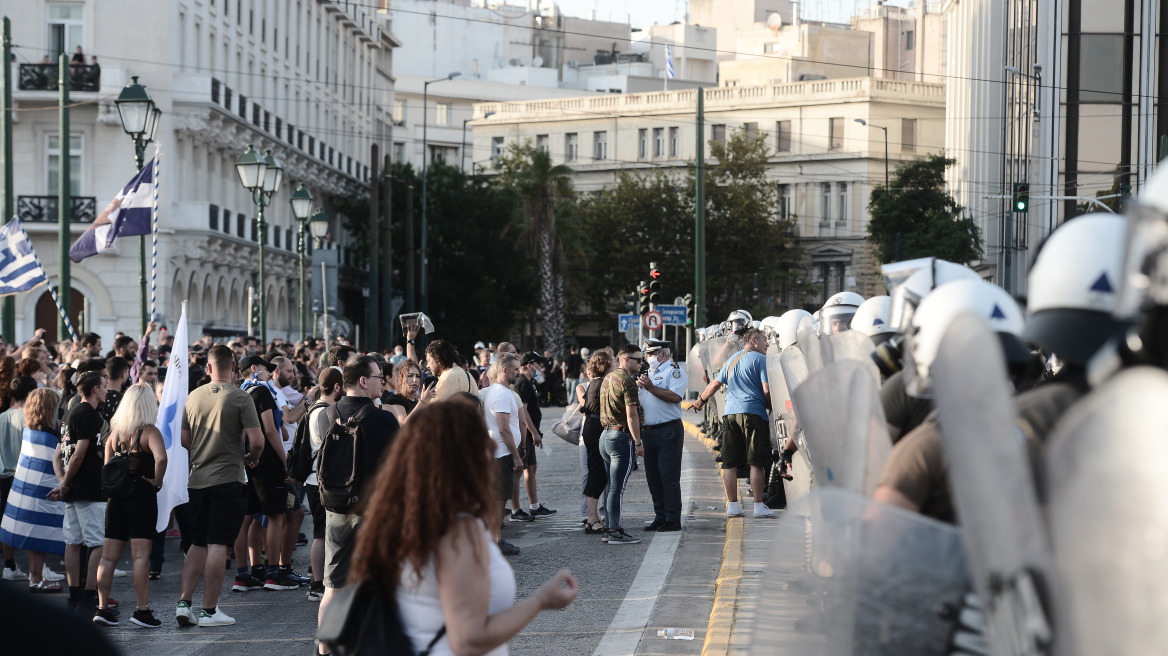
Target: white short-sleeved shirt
column 498, row 398
column 672, row 377
column 317, row 428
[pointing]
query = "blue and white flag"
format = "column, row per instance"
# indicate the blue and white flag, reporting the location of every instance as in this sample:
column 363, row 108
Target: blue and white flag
column 669, row 72
column 128, row 214
column 20, row 268
column 169, row 422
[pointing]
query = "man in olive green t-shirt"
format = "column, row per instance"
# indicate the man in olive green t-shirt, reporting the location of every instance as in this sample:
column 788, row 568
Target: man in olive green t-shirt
column 219, row 423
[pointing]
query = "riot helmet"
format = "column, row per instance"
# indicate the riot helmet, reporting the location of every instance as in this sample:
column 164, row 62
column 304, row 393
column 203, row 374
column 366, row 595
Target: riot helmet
column 872, row 318
column 738, row 321
column 907, row 295
column 1144, row 288
column 836, row 314
column 788, row 326
column 770, row 327
column 1074, row 287
column 938, row 310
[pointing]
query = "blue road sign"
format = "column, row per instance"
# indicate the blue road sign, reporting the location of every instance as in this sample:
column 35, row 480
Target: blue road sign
column 626, row 321
column 674, row 315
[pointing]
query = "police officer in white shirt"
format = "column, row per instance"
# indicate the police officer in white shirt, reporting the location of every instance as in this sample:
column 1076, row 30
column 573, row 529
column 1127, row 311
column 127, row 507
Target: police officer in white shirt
column 660, row 393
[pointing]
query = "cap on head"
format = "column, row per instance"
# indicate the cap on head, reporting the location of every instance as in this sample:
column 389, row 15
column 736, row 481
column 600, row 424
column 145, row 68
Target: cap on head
column 255, row 360
column 532, row 357
column 651, row 346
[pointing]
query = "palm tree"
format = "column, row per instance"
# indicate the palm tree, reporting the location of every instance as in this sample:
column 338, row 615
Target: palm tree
column 529, row 172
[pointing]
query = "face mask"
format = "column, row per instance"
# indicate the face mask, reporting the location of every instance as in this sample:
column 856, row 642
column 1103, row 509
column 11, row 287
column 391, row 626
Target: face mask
column 653, row 363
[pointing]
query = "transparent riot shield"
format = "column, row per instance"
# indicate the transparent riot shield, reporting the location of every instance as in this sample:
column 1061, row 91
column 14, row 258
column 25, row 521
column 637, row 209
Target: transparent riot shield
column 695, row 371
column 1002, row 527
column 849, row 576
column 843, row 424
column 808, row 342
column 850, row 345
column 782, row 411
column 1108, row 515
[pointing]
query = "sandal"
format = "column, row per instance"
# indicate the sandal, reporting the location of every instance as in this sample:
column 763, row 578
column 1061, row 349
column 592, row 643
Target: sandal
column 44, row 587
column 594, row 528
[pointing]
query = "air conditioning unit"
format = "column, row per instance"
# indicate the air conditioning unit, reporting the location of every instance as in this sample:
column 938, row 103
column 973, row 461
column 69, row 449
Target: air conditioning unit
column 573, row 64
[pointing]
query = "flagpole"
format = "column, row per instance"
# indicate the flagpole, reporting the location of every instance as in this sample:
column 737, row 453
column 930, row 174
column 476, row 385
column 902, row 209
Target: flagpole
column 52, row 290
column 154, row 244
column 64, row 202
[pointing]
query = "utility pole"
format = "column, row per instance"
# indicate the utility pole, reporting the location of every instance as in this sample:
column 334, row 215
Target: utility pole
column 64, row 204
column 700, row 215
column 411, row 298
column 385, row 325
column 372, row 312
column 9, row 305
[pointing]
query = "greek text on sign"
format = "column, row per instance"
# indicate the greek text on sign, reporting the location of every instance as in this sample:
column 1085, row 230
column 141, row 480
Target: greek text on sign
column 626, row 321
column 673, row 315
column 653, row 320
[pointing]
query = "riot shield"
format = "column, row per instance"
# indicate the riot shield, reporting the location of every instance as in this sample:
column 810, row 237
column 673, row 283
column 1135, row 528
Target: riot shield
column 695, row 371
column 809, row 344
column 849, row 576
column 850, row 345
column 993, row 490
column 782, row 411
column 1108, row 515
column 843, row 424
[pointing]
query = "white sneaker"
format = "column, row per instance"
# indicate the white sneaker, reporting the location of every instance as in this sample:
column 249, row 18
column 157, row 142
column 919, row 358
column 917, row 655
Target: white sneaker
column 218, row 618
column 184, row 615
column 761, row 511
column 49, row 575
column 119, row 573
column 14, row 574
column 733, row 509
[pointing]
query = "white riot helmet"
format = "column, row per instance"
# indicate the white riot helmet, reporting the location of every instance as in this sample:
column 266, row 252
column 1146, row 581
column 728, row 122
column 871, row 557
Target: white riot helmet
column 770, row 327
column 788, row 326
column 738, row 321
column 872, row 317
column 907, row 295
column 938, row 310
column 1074, row 287
column 836, row 314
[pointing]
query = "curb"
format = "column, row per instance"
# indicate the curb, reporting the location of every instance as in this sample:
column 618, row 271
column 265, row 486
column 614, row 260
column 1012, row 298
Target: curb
column 721, row 622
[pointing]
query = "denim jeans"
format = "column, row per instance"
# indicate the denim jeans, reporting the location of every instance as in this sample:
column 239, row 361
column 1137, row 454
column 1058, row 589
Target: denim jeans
column 617, row 451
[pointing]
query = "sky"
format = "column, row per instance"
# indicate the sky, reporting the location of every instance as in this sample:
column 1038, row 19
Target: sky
column 644, row 12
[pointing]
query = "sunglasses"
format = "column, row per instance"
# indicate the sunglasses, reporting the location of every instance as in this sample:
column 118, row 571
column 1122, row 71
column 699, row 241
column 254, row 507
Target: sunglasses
column 629, row 357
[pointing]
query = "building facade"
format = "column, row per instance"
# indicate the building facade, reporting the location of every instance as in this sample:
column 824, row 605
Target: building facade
column 308, row 80
column 824, row 164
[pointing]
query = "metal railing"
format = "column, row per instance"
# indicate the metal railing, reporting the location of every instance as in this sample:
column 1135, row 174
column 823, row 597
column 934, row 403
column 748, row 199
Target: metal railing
column 43, row 209
column 43, row 77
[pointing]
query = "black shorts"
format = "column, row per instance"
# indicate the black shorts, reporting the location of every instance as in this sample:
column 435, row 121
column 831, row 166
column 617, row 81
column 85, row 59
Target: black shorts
column 506, row 476
column 746, row 440
column 528, row 450
column 318, row 516
column 134, row 517
column 5, row 488
column 267, row 494
column 217, row 512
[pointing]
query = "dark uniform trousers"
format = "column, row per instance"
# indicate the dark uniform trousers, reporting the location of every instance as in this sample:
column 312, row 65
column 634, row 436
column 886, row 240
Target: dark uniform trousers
column 663, row 444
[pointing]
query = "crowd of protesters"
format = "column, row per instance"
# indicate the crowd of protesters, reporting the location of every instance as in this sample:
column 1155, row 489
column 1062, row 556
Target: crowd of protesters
column 66, row 409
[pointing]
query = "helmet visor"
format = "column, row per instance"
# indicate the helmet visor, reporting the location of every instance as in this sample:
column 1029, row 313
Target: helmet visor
column 836, row 319
column 1145, row 281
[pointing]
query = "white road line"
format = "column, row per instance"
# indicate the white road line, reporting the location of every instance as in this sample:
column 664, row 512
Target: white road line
column 628, row 625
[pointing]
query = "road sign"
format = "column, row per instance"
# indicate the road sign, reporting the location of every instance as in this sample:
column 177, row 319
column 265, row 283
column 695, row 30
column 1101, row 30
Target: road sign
column 626, row 321
column 653, row 320
column 672, row 315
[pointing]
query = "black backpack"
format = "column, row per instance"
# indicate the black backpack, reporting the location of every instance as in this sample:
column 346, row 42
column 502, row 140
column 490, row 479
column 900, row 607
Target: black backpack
column 116, row 482
column 338, row 468
column 300, row 455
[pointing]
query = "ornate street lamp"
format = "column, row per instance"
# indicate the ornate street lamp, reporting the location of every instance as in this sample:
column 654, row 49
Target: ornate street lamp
column 139, row 117
column 261, row 175
column 301, row 207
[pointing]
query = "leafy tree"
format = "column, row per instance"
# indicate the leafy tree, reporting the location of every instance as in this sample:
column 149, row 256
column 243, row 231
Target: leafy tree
column 528, row 173
column 918, row 218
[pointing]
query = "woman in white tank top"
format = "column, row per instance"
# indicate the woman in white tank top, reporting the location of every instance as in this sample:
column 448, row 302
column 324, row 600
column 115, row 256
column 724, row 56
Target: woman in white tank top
column 424, row 530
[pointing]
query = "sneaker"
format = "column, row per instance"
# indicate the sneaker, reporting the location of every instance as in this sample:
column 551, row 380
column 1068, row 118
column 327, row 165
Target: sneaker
column 119, row 573
column 620, row 537
column 246, row 584
column 49, row 575
column 218, row 618
column 315, row 592
column 542, row 511
column 294, row 576
column 521, row 516
column 104, row 616
column 183, row 614
column 145, row 618
column 301, row 540
column 109, row 601
column 15, row 574
column 761, row 511
column 279, row 581
column 509, row 549
column 734, row 509
column 155, row 574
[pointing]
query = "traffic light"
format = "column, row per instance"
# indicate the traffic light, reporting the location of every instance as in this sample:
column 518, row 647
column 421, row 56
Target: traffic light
column 643, row 300
column 654, row 283
column 1021, row 197
column 689, row 309
column 631, row 303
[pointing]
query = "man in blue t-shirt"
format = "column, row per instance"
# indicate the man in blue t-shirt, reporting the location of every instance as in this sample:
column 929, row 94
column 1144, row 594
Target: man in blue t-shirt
column 747, row 437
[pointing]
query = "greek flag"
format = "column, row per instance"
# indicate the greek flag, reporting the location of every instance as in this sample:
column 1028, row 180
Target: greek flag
column 669, row 72
column 128, row 214
column 20, row 268
column 169, row 422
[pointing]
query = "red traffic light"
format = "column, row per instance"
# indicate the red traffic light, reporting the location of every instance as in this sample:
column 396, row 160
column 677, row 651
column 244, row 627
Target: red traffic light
column 654, row 273
column 644, row 291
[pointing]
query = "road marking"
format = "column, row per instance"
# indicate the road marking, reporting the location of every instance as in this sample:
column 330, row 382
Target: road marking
column 625, row 631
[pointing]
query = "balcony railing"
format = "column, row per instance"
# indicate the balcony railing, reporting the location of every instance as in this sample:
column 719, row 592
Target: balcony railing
column 43, row 77
column 43, row 209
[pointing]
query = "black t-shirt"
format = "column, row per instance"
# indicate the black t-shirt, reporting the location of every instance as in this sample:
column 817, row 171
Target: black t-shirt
column 574, row 364
column 83, row 422
column 376, row 434
column 262, row 397
column 525, row 388
column 393, row 398
column 112, row 399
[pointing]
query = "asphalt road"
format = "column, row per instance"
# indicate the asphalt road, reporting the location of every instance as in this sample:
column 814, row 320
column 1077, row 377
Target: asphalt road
column 627, row 592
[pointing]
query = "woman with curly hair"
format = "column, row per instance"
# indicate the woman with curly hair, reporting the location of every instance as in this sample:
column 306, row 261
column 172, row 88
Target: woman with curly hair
column 407, row 384
column 426, row 536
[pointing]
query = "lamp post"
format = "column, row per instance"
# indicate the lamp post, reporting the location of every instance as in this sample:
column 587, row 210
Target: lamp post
column 139, row 117
column 301, row 206
column 261, row 175
column 422, row 282
column 863, row 122
column 319, row 225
